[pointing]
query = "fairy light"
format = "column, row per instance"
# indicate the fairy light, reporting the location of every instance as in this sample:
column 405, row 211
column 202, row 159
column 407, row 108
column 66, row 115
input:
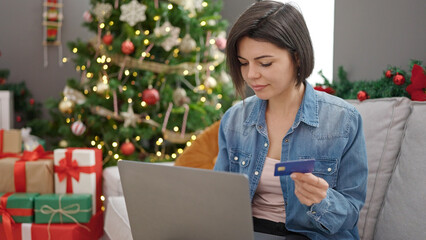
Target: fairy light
column 146, row 32
column 156, row 18
column 180, row 150
column 185, row 72
column 193, row 137
column 67, row 120
column 83, row 67
column 203, row 99
column 108, row 60
column 93, row 142
column 159, row 141
column 219, row 96
column 147, row 117
column 167, row 29
column 102, row 198
column 143, row 104
column 135, row 74
column 212, row 41
column 170, row 6
column 114, row 126
column 111, row 23
column 124, row 88
column 199, row 67
column 129, row 100
column 98, row 60
column 114, row 144
column 204, row 4
column 203, row 23
column 64, row 60
column 89, row 75
column 105, row 78
column 138, row 138
column 99, row 146
column 86, row 91
column 146, row 41
column 110, row 152
column 188, row 144
column 211, row 68
column 95, row 88
column 202, row 87
column 107, row 97
column 77, row 68
column 218, row 106
column 137, row 32
column 158, row 154
column 74, row 50
column 174, row 155
column 209, row 91
column 116, row 156
column 105, row 67
column 102, row 25
column 143, row 54
column 127, row 72
column 176, row 128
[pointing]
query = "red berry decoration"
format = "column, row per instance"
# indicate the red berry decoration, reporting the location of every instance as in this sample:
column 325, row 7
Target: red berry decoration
column 32, row 101
column 127, row 47
column 107, row 38
column 362, row 95
column 2, row 81
column 399, row 79
column 127, row 148
column 151, row 96
column 18, row 118
column 388, row 74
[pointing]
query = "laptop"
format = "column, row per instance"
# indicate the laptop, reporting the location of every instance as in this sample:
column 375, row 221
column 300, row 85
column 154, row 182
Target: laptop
column 180, row 203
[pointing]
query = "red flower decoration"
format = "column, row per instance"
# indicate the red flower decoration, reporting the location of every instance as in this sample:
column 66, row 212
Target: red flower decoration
column 418, row 84
column 328, row 90
column 362, row 95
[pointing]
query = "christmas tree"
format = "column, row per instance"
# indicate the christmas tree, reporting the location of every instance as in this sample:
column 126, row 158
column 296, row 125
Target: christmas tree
column 151, row 80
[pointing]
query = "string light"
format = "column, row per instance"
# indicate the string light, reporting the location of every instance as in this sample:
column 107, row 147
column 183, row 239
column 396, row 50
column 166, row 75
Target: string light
column 212, row 41
column 199, row 67
column 102, row 198
column 156, row 18
column 137, row 32
column 203, row 23
column 86, row 91
column 135, row 74
column 108, row 59
column 105, row 79
column 64, row 60
column 110, row 152
column 102, row 25
column 180, row 150
column 146, row 32
column 95, row 88
column 99, row 146
column 77, row 68
column 146, row 41
column 116, row 156
column 114, row 126
column 93, row 143
column 193, row 137
column 114, row 144
column 143, row 104
column 185, row 72
column 170, row 6
column 129, row 100
column 204, row 4
column 138, row 138
column 83, row 67
column 111, row 23
column 74, row 50
column 219, row 96
column 211, row 68
column 127, row 72
column 67, row 120
column 105, row 67
column 203, row 99
column 147, row 117
column 218, row 106
column 188, row 144
column 158, row 154
column 89, row 75
column 124, row 88
column 174, row 155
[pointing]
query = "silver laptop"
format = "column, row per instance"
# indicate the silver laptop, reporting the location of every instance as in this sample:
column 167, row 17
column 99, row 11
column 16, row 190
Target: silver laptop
column 178, row 203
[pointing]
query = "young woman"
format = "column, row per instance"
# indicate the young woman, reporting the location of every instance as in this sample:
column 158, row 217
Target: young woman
column 269, row 50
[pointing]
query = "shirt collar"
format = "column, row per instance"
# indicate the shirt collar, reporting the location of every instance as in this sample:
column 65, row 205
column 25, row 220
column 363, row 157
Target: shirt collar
column 308, row 111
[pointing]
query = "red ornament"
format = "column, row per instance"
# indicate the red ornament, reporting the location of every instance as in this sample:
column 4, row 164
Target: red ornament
column 107, row 38
column 78, row 128
column 18, row 118
column 2, row 81
column 362, row 95
column 399, row 79
column 127, row 47
column 127, row 148
column 32, row 101
column 151, row 96
column 388, row 74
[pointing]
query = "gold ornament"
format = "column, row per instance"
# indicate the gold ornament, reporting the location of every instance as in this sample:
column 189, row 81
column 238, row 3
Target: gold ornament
column 188, row 44
column 63, row 143
column 66, row 106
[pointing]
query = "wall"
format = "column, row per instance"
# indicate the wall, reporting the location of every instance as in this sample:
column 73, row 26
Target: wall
column 370, row 35
column 21, row 36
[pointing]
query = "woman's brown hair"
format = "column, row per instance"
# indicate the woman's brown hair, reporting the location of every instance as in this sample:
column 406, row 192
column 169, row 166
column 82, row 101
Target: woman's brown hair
column 278, row 23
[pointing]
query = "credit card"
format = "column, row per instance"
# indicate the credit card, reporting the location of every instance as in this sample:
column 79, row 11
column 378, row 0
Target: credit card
column 302, row 166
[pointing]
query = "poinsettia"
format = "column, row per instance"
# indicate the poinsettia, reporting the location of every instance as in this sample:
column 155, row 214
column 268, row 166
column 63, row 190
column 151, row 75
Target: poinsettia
column 328, row 90
column 417, row 88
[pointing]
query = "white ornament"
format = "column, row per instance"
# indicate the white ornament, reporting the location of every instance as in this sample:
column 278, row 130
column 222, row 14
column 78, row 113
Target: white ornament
column 133, row 13
column 74, row 95
column 179, row 97
column 188, row 44
column 130, row 118
column 102, row 11
column 190, row 5
column 210, row 82
column 78, row 128
column 167, row 29
column 102, row 87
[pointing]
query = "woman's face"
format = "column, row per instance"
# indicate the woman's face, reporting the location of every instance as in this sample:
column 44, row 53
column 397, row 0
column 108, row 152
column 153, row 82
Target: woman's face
column 266, row 68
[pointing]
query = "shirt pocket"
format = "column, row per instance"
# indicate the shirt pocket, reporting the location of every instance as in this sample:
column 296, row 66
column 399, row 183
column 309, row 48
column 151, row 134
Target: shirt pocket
column 326, row 168
column 239, row 160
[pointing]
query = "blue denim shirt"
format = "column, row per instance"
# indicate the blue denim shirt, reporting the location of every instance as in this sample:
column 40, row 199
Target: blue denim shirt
column 327, row 129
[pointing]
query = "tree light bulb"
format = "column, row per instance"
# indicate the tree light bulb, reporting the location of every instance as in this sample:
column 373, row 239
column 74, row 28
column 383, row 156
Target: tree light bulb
column 174, row 155
column 114, row 144
column 102, row 25
column 74, row 50
column 180, row 150
column 93, row 143
column 116, row 156
column 170, row 6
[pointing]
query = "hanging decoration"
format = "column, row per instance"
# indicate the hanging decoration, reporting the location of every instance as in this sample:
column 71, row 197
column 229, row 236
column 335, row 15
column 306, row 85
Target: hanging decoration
column 78, row 128
column 130, row 118
column 102, row 11
column 133, row 13
column 167, row 29
column 127, row 148
column 188, row 44
column 52, row 23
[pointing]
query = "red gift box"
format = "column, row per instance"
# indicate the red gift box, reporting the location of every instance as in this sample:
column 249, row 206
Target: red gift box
column 71, row 231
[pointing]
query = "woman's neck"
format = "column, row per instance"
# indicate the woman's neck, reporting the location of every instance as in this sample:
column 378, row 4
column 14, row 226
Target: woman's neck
column 288, row 103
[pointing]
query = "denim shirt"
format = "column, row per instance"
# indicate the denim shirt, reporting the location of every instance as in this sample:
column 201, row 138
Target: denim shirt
column 327, row 129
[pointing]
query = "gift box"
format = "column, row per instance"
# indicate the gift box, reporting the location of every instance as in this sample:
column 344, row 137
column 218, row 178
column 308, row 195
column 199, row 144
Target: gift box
column 10, row 141
column 63, row 208
column 79, row 170
column 32, row 172
column 6, row 110
column 55, row 231
column 17, row 206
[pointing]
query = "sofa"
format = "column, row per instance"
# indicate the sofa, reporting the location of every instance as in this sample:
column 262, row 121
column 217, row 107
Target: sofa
column 395, row 132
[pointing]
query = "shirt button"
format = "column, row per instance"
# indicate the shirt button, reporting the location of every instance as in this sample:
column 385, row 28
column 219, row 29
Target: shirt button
column 266, row 145
column 243, row 163
column 256, row 173
column 286, row 140
column 235, row 158
column 259, row 127
column 329, row 169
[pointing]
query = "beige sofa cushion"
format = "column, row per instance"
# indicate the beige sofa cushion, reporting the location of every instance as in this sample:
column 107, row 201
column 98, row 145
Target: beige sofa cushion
column 384, row 121
column 403, row 214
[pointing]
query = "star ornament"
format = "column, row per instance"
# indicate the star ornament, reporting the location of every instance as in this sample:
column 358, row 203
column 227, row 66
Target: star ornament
column 130, row 118
column 133, row 13
column 417, row 88
column 102, row 11
column 167, row 29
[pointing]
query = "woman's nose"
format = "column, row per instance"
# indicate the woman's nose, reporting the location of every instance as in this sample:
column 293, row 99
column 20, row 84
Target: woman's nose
column 252, row 72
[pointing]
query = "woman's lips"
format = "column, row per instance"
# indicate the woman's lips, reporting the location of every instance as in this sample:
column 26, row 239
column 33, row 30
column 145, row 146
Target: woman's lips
column 258, row 87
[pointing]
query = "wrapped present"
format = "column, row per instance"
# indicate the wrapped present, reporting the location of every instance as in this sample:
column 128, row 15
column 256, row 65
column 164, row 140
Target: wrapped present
column 10, row 142
column 56, row 231
column 32, row 172
column 15, row 207
column 79, row 170
column 63, row 208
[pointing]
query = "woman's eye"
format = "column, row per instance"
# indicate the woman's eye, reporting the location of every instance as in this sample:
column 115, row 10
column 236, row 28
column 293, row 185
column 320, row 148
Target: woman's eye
column 266, row 64
column 243, row 64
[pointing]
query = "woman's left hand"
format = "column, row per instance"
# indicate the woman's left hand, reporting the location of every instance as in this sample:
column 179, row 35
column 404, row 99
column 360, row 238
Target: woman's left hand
column 309, row 189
